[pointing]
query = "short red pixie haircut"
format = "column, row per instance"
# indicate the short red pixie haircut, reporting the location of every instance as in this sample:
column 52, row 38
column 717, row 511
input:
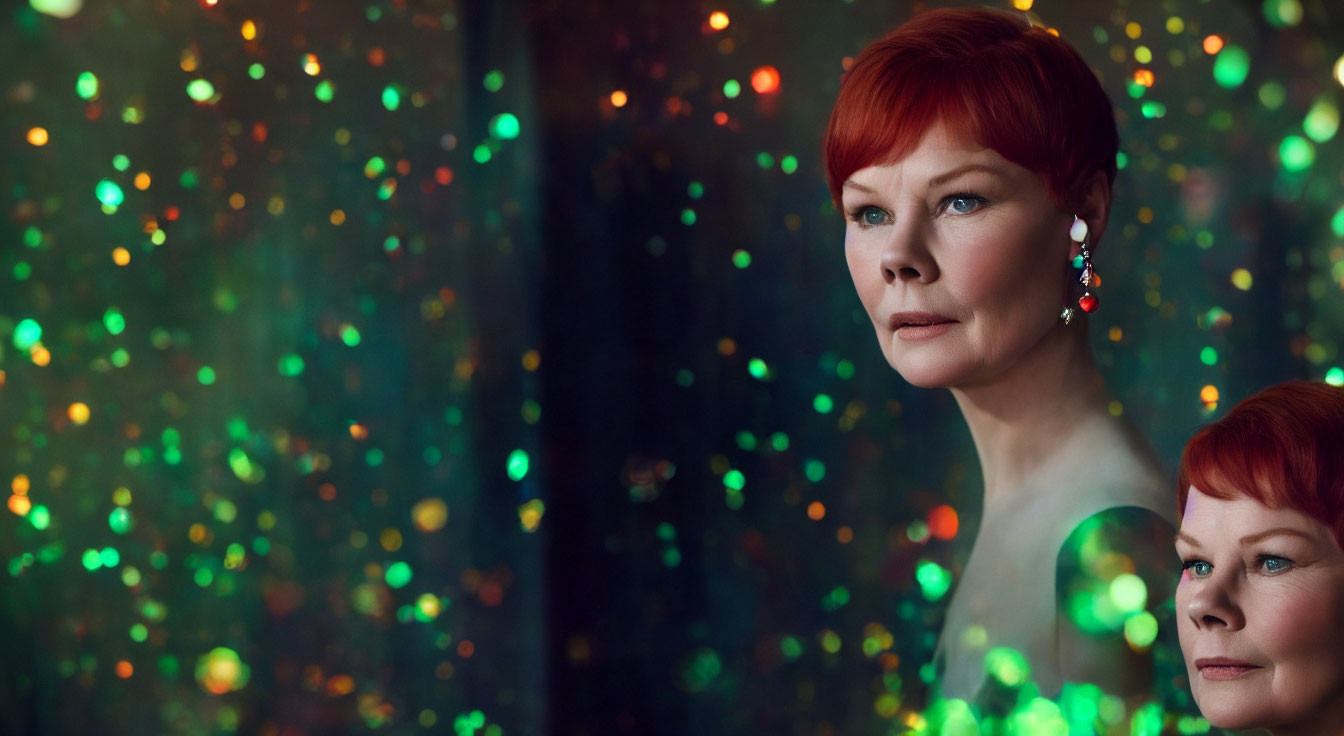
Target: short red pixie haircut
column 1283, row 447
column 991, row 77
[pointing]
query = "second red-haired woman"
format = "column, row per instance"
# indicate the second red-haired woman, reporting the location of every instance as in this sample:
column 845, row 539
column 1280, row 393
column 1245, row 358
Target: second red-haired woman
column 1260, row 604
column 972, row 154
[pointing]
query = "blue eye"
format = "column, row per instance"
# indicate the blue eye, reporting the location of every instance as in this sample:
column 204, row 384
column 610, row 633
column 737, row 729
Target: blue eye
column 1198, row 568
column 1275, row 565
column 870, row 216
column 963, row 204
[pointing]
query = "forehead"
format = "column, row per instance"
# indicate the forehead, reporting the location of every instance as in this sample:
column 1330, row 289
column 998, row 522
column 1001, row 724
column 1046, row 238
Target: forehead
column 939, row 151
column 1238, row 516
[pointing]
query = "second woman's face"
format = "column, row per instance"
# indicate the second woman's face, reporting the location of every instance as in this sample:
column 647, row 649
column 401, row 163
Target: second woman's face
column 960, row 260
column 1259, row 609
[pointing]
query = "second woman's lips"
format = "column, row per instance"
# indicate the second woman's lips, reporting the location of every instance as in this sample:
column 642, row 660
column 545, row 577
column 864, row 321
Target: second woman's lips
column 1223, row 668
column 916, row 319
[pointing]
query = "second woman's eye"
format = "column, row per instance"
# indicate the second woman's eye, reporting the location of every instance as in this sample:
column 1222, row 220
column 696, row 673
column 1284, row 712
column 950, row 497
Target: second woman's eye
column 1197, row 568
column 1274, row 564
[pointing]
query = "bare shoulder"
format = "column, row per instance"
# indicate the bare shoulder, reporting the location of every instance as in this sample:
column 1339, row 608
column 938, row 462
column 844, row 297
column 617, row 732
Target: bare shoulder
column 1115, row 577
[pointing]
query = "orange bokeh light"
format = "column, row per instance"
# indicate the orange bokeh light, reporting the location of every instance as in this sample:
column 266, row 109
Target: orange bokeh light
column 1213, row 44
column 619, row 98
column 20, row 505
column 38, row 136
column 816, row 511
column 765, row 80
column 125, row 669
column 1144, row 77
column 718, row 20
column 1209, row 394
column 943, row 522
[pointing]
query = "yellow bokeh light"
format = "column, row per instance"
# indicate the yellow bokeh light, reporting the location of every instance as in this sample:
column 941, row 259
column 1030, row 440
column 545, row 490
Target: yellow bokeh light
column 718, row 20
column 38, row 136
column 337, row 217
column 142, row 181
column 619, row 98
column 1022, row 4
column 311, row 66
column 40, row 355
column 1241, row 278
column 430, row 514
column 237, row 201
column 78, row 412
column 249, row 30
column 1133, row 30
column 1209, row 394
column 1175, row 25
column 121, row 256
column 390, row 539
column 20, row 485
column 1339, row 70
column 531, row 361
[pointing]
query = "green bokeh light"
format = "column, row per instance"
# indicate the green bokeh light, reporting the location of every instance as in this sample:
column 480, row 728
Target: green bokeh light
column 517, row 465
column 398, row 574
column 27, row 333
column 1128, row 592
column 934, row 580
column 1231, row 67
column 814, row 469
column 109, row 193
column 1141, row 630
column 505, row 126
column 823, row 404
column 1007, row 665
column 735, row 480
column 86, row 85
column 1208, row 356
column 120, row 521
column 114, row 321
column 1296, row 153
column 732, row 88
column 1322, row 121
column 200, row 90
column 391, row 97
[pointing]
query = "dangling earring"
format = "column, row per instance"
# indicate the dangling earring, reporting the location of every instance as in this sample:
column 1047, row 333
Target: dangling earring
column 1088, row 302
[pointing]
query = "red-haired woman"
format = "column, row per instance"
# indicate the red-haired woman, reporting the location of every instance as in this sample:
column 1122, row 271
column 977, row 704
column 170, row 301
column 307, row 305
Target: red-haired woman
column 972, row 154
column 1260, row 605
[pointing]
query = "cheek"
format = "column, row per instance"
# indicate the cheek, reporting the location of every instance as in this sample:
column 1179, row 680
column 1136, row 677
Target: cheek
column 1010, row 274
column 1298, row 626
column 865, row 272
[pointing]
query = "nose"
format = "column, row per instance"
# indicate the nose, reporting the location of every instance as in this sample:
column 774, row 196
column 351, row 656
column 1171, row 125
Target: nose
column 1214, row 604
column 906, row 256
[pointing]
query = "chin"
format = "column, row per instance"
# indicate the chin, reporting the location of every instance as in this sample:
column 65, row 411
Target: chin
column 927, row 374
column 1231, row 711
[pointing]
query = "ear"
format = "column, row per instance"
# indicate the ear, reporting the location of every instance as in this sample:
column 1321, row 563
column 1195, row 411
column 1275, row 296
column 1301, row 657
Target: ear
column 1093, row 204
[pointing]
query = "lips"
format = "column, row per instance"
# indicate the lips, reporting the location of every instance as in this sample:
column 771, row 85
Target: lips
column 1223, row 668
column 917, row 319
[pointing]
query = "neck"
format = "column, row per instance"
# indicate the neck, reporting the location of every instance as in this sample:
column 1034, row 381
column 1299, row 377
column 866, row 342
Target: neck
column 1021, row 420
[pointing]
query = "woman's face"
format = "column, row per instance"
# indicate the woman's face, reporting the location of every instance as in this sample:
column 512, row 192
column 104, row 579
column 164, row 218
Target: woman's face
column 1259, row 610
column 959, row 258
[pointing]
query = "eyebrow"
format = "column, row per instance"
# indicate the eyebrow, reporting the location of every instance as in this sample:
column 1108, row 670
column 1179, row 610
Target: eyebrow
column 938, row 180
column 1250, row 538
